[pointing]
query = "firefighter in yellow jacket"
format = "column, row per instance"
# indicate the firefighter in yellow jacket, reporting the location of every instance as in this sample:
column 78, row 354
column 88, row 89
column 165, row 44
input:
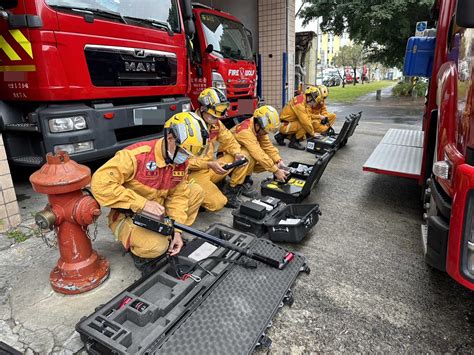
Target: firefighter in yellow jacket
column 323, row 117
column 252, row 134
column 151, row 177
column 301, row 117
column 208, row 170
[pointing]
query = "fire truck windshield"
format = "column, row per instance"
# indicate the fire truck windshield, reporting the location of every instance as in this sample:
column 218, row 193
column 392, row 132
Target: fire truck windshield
column 227, row 37
column 140, row 13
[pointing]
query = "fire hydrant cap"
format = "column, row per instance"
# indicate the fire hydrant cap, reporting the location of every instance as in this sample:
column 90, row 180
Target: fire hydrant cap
column 60, row 175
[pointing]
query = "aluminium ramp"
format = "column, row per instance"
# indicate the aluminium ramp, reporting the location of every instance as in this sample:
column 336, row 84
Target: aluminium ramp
column 399, row 153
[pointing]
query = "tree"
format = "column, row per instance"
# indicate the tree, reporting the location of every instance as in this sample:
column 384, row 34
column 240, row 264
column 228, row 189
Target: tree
column 350, row 56
column 382, row 26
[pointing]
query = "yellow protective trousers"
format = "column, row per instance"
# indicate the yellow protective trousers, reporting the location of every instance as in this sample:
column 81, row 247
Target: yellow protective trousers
column 143, row 242
column 214, row 199
column 293, row 128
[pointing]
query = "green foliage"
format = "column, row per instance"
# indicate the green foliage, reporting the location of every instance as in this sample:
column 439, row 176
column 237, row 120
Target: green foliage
column 382, row 26
column 19, row 236
column 404, row 88
column 350, row 93
column 351, row 56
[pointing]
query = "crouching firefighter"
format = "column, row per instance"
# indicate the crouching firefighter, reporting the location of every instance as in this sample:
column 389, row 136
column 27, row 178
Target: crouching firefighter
column 252, row 134
column 299, row 119
column 152, row 177
column 323, row 120
column 208, row 170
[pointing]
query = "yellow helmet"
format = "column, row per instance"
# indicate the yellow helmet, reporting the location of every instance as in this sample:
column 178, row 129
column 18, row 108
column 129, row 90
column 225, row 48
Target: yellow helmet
column 315, row 93
column 324, row 90
column 189, row 131
column 214, row 102
column 267, row 117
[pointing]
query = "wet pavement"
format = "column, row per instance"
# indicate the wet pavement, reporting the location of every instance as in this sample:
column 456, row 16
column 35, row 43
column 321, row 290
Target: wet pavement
column 369, row 289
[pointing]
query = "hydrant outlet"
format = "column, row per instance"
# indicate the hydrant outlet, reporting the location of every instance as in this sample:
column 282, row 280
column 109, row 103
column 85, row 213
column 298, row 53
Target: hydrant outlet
column 86, row 211
column 45, row 219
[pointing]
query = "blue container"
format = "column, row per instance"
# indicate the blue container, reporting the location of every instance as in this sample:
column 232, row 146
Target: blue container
column 419, row 56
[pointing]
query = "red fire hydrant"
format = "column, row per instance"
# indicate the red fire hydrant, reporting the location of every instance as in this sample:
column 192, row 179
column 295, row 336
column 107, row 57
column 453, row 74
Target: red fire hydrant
column 70, row 212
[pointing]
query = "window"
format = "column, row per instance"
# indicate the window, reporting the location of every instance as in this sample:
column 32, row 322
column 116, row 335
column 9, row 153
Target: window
column 159, row 11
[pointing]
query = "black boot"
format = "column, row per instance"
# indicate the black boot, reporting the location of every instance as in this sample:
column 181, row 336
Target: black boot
column 295, row 144
column 248, row 190
column 280, row 139
column 232, row 194
column 147, row 265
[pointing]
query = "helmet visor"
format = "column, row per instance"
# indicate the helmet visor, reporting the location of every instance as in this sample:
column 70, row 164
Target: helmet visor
column 220, row 109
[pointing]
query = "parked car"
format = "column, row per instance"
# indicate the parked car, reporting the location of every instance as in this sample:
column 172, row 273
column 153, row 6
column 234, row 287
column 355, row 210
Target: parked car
column 332, row 81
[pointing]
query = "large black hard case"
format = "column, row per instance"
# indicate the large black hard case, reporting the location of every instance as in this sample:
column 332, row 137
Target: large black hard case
column 298, row 187
column 225, row 313
column 321, row 145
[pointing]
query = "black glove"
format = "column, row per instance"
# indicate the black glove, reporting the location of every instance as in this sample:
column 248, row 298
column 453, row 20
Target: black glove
column 324, row 121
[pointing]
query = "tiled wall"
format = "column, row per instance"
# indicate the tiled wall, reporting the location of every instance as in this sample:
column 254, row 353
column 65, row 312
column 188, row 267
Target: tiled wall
column 276, row 36
column 9, row 211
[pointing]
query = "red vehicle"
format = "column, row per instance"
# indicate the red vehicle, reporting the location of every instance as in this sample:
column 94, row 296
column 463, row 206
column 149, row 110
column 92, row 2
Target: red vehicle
column 223, row 58
column 91, row 76
column 441, row 156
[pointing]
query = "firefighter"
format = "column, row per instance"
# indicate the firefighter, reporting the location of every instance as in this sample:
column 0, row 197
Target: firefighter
column 323, row 120
column 208, row 170
column 252, row 134
column 297, row 118
column 151, row 177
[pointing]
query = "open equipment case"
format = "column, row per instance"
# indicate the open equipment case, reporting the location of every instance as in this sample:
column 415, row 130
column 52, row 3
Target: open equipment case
column 222, row 308
column 298, row 185
column 322, row 144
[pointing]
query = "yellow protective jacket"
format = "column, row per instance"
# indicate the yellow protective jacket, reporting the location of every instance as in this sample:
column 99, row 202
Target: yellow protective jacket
column 297, row 110
column 219, row 138
column 139, row 173
column 320, row 112
column 259, row 147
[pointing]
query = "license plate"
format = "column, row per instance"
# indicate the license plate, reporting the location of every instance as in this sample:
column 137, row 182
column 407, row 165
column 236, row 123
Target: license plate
column 310, row 145
column 149, row 116
column 245, row 106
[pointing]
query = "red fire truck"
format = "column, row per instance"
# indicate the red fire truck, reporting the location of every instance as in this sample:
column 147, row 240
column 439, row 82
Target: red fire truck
column 223, row 58
column 93, row 76
column 441, row 156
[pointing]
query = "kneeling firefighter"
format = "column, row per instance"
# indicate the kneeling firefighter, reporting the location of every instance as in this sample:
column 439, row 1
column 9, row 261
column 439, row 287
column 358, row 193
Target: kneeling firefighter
column 301, row 118
column 152, row 177
column 323, row 120
column 252, row 134
column 208, row 170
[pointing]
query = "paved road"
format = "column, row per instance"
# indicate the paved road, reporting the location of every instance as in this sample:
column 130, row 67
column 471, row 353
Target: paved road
column 369, row 289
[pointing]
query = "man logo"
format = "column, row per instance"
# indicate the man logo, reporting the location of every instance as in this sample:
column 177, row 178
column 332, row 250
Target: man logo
column 139, row 53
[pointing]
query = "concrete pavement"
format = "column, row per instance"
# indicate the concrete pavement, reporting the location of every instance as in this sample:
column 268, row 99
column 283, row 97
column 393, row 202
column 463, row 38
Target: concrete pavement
column 369, row 289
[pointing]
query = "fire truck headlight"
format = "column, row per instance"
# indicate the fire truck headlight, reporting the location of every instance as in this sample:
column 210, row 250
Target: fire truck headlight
column 218, row 82
column 75, row 148
column 67, row 124
column 442, row 169
column 186, row 107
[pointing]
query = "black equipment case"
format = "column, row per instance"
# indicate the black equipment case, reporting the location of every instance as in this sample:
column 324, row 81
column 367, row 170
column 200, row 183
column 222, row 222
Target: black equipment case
column 221, row 308
column 298, row 186
column 246, row 220
column 308, row 216
column 322, row 144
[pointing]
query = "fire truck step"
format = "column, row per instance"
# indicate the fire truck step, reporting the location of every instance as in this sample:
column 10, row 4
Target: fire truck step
column 26, row 160
column 404, row 137
column 398, row 160
column 21, row 127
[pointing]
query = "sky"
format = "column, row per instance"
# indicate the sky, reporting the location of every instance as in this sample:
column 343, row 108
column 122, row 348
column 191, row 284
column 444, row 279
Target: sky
column 299, row 22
